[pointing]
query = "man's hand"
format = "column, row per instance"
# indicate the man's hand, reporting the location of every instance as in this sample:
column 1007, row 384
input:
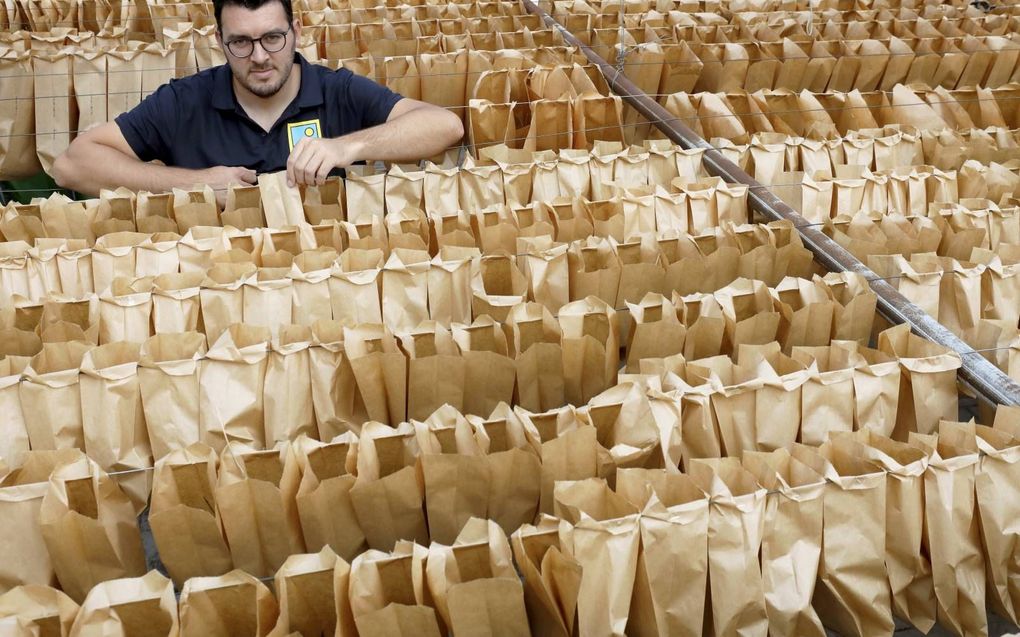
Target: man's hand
column 312, row 159
column 220, row 178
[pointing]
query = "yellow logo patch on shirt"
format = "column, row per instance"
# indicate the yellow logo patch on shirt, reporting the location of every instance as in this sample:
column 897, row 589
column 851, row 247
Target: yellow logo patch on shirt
column 301, row 130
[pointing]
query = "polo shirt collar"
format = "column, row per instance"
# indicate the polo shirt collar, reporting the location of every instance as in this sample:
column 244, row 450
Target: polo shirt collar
column 309, row 93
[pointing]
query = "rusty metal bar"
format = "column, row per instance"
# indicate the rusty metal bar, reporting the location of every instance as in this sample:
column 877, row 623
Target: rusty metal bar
column 988, row 381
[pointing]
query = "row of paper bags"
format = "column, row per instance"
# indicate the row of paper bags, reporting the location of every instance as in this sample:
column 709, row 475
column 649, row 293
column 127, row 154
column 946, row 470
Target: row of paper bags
column 55, row 392
column 881, row 528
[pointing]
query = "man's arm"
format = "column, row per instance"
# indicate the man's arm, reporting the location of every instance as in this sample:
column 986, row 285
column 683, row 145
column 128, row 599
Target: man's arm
column 102, row 158
column 413, row 130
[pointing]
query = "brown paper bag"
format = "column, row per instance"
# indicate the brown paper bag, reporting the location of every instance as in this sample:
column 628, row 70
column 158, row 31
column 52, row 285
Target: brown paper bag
column 222, row 297
column 380, row 371
column 793, row 514
column 310, row 274
column 306, row 589
column 185, row 523
column 853, row 591
column 568, row 448
column 13, row 432
column 928, row 384
column 168, row 372
column 735, row 528
column 336, row 401
column 235, row 603
column 387, row 593
column 405, row 301
column 625, row 425
column 455, row 473
column 197, row 246
column 827, row 399
column 18, row 150
column 25, row 557
column 195, row 207
column 231, row 388
column 113, row 419
column 535, row 343
column 355, row 286
column 474, row 585
column 497, row 286
column 590, row 343
column 125, row 311
column 128, row 607
column 50, row 397
column 449, row 285
column 56, row 113
column 600, row 530
column 489, row 374
column 287, row 394
column 655, row 331
column 255, row 501
column 551, row 578
column 268, row 298
column 176, row 306
column 515, row 480
column 435, row 370
column 668, row 600
column 281, row 203
column 89, row 527
column 323, row 494
column 36, row 608
column 387, row 474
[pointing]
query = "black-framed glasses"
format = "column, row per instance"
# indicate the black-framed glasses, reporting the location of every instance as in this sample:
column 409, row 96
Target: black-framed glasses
column 270, row 42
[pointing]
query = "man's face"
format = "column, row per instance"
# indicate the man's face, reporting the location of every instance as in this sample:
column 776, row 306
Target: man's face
column 262, row 73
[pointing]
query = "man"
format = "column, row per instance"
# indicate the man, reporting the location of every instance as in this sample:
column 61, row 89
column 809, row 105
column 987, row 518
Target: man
column 265, row 110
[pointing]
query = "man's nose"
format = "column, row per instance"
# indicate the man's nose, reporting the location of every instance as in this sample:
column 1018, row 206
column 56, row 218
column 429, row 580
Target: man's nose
column 258, row 54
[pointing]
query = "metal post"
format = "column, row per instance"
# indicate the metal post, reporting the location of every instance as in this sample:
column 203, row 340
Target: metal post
column 988, row 381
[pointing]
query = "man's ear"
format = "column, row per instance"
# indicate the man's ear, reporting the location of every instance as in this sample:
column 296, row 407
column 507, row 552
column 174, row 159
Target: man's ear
column 296, row 25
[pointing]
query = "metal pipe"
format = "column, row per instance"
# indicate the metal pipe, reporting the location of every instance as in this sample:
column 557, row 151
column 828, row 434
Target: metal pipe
column 987, row 380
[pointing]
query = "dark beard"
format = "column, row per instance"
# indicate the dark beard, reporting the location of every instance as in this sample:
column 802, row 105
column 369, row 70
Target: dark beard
column 265, row 90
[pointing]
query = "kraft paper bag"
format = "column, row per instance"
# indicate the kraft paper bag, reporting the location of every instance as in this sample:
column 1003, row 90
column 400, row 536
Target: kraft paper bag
column 474, row 585
column 489, row 374
column 544, row 264
column 625, row 426
column 952, row 534
column 268, row 298
column 310, row 274
column 735, row 527
column 50, row 397
column 550, row 576
column 672, row 568
column 168, row 373
column 336, row 401
column 74, row 266
column 255, row 501
column 408, row 228
column 906, row 559
column 89, row 526
column 535, row 344
column 827, row 398
column 998, row 463
column 928, row 382
column 197, row 246
column 280, row 202
column 405, row 301
column 306, row 591
column 324, row 203
column 176, row 305
column 435, row 370
column 243, row 207
column 56, row 112
column 66, row 319
column 405, row 188
column 380, row 369
column 323, row 499
column 599, row 528
column 195, row 207
column 13, row 432
column 749, row 311
column 807, row 314
column 18, row 150
column 388, row 594
column 26, row 560
column 590, row 343
column 125, row 311
column 387, row 459
column 567, row 446
column 793, row 515
column 454, row 471
column 129, row 606
column 595, row 270
column 655, row 331
column 355, row 286
column 480, row 187
column 514, row 468
column 222, row 297
column 232, row 387
column 232, row 604
column 113, row 418
column 183, row 516
column 495, row 228
column 876, row 390
column 287, row 394
column 159, row 255
column 449, row 285
column 41, row 608
column 114, row 255
column 154, row 213
column 497, row 286
column 852, row 594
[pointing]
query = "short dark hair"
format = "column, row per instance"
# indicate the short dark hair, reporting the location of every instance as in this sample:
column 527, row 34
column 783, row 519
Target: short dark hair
column 251, row 5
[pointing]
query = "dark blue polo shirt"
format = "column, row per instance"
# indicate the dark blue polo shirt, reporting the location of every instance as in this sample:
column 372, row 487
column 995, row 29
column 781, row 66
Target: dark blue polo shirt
column 197, row 122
